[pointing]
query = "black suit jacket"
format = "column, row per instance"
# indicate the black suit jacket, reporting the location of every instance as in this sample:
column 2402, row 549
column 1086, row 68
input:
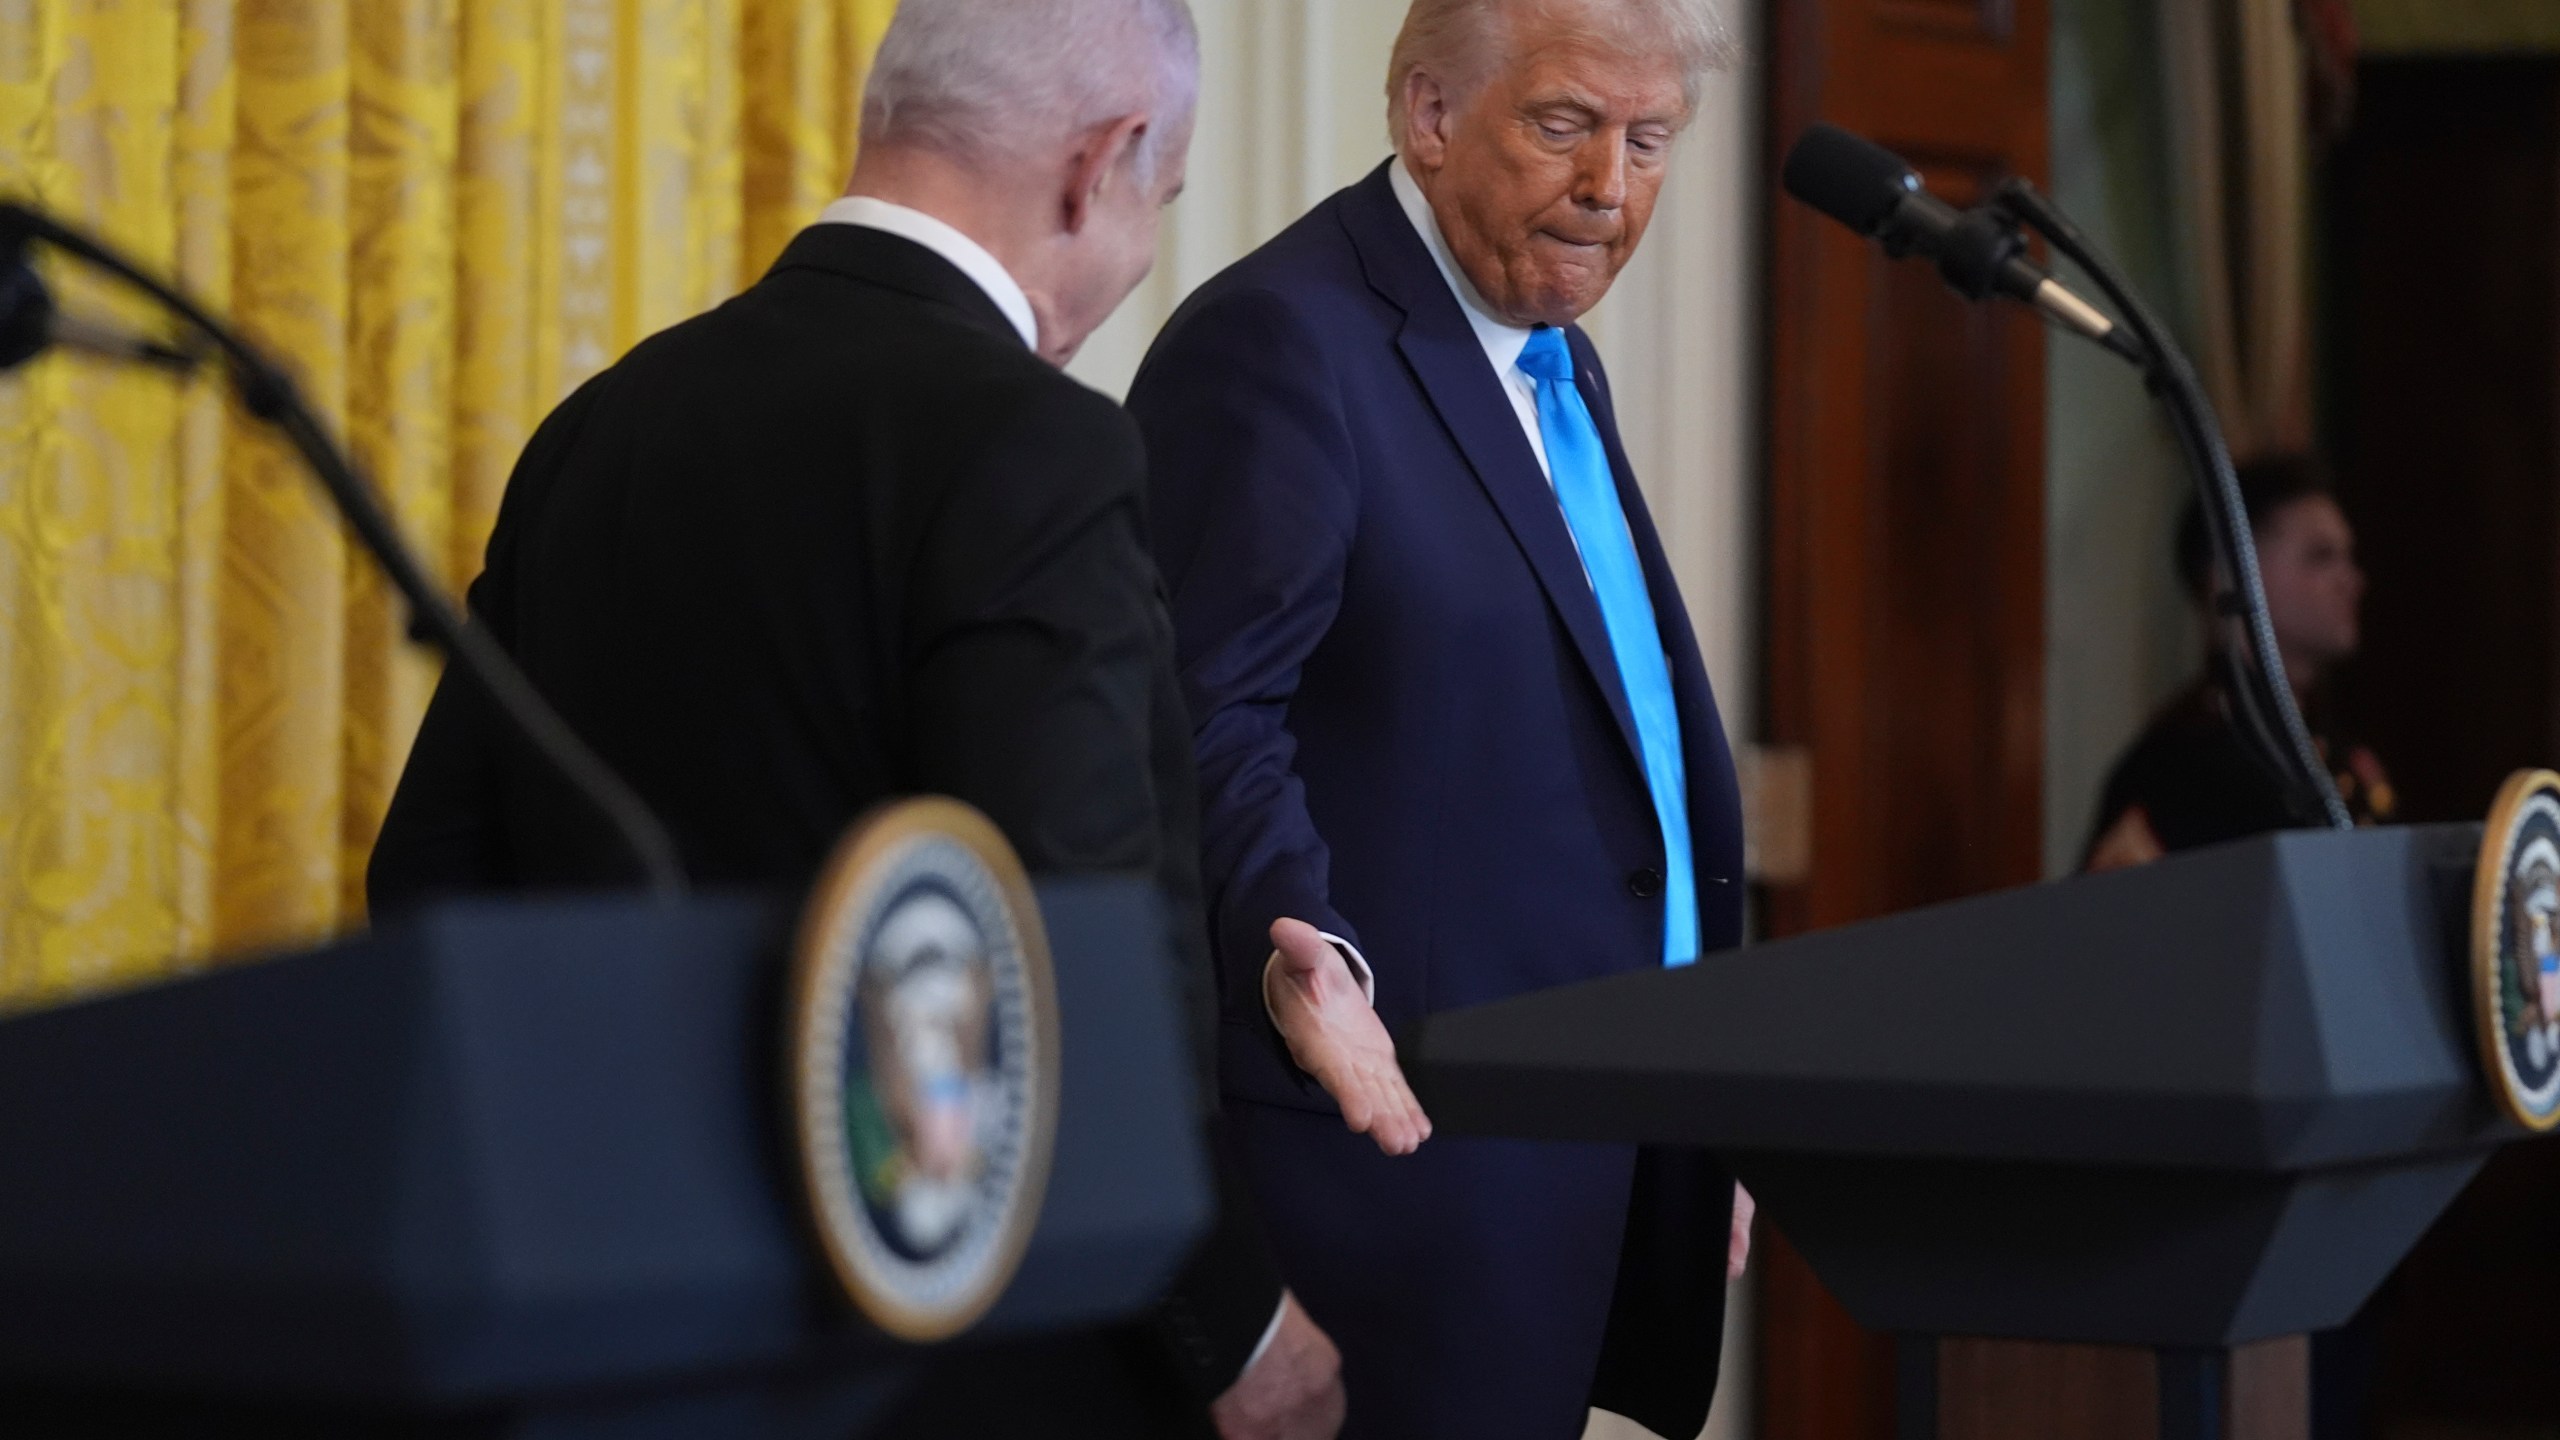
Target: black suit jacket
column 841, row 540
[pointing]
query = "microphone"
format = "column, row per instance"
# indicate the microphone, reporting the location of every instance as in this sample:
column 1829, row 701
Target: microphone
column 31, row 324
column 1872, row 191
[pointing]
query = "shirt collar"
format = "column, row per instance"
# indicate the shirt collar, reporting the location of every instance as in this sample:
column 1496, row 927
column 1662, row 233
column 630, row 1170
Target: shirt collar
column 965, row 254
column 1502, row 341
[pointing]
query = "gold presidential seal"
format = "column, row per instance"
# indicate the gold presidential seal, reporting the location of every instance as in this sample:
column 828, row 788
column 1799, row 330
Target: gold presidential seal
column 2515, row 952
column 924, row 1065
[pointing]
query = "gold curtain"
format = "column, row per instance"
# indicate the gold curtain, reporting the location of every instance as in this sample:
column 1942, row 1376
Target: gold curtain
column 2239, row 107
column 447, row 213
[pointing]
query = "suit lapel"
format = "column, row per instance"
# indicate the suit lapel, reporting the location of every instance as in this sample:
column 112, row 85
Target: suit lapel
column 1450, row 363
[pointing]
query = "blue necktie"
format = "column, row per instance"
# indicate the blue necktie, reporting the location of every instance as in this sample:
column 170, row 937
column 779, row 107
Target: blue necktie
column 1580, row 466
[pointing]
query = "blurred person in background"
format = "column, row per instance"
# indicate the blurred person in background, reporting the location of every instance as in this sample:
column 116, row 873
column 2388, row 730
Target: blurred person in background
column 2191, row 779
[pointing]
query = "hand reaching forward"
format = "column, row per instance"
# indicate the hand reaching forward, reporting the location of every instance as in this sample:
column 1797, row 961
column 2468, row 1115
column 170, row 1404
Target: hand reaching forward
column 1335, row 1036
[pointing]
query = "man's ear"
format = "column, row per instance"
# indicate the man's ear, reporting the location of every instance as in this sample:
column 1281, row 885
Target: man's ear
column 1426, row 109
column 1097, row 159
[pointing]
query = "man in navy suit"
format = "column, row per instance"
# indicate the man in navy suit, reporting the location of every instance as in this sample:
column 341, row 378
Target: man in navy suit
column 1455, row 739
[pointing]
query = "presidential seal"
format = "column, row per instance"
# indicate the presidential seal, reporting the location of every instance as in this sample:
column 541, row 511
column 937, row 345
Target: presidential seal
column 2514, row 951
column 924, row 1065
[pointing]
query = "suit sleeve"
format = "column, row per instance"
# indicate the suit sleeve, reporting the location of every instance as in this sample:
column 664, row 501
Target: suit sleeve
column 445, row 831
column 1254, row 493
column 1037, row 633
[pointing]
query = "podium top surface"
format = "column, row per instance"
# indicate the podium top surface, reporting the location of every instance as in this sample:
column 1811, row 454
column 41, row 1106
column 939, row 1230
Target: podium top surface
column 2289, row 1002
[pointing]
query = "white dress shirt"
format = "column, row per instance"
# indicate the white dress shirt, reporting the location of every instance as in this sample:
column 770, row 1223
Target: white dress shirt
column 942, row 239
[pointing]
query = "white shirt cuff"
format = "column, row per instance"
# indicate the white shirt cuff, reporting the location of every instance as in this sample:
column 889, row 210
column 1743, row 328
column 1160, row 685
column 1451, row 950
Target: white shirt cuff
column 1351, row 956
column 1270, row 1333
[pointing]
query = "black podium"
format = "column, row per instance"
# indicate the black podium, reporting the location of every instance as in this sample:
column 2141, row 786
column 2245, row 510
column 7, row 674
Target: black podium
column 2186, row 1107
column 518, row 1170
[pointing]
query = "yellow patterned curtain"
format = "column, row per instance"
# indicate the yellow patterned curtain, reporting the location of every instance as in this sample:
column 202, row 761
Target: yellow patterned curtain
column 447, row 213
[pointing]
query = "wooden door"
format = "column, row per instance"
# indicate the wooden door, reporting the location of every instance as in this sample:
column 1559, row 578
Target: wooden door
column 1906, row 547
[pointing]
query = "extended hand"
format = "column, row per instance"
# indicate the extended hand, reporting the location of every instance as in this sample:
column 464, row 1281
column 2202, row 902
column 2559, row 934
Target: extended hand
column 1737, row 1255
column 1335, row 1036
column 1293, row 1392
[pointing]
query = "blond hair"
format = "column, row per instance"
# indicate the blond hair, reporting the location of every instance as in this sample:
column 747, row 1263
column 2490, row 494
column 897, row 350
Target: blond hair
column 1462, row 42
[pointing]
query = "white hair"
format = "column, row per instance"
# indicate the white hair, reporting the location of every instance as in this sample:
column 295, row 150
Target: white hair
column 1463, row 42
column 983, row 79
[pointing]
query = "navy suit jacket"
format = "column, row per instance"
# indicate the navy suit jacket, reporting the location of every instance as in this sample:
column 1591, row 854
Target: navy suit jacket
column 1411, row 732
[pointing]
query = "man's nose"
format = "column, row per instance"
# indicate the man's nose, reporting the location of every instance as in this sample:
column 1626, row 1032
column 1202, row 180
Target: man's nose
column 1602, row 183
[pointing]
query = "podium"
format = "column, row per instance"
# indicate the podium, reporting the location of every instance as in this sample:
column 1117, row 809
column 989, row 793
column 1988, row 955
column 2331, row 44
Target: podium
column 2187, row 1107
column 519, row 1170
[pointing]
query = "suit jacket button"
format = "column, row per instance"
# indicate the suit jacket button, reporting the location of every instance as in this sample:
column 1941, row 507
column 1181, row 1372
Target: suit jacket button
column 1645, row 884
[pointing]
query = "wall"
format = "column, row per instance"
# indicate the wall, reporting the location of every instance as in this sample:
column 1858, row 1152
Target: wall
column 2119, row 638
column 1293, row 108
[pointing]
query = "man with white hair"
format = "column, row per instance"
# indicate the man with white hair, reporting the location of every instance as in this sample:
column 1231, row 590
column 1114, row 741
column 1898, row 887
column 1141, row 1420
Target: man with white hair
column 1456, row 742
column 853, row 536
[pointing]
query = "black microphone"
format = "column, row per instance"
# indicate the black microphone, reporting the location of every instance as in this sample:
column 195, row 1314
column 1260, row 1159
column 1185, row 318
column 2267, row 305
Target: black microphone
column 31, row 324
column 1873, row 191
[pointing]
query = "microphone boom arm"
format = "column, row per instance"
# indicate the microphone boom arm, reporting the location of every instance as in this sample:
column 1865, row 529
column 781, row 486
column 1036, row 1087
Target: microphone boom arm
column 2264, row 702
column 268, row 393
